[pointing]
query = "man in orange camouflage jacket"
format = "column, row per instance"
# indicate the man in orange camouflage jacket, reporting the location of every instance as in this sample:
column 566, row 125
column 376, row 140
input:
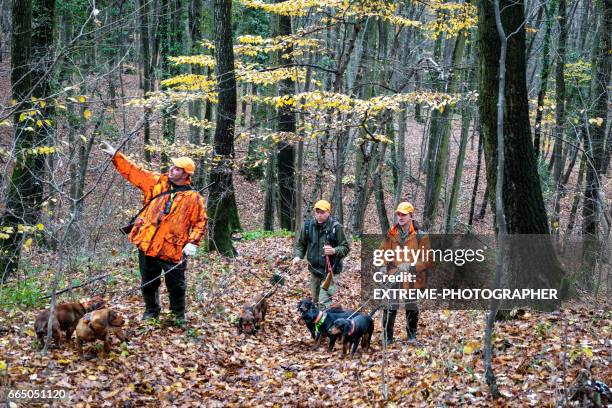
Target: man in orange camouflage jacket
column 406, row 233
column 171, row 225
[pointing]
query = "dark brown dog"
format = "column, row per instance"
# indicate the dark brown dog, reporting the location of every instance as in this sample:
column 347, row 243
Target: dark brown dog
column 252, row 316
column 66, row 318
column 97, row 325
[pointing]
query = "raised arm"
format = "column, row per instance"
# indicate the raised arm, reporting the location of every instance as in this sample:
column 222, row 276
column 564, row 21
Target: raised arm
column 141, row 178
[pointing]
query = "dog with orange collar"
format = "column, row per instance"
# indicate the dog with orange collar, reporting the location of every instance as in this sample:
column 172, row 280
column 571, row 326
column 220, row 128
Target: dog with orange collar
column 319, row 322
column 355, row 330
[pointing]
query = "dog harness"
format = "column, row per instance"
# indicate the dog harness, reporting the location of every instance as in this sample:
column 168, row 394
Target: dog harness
column 319, row 321
column 352, row 328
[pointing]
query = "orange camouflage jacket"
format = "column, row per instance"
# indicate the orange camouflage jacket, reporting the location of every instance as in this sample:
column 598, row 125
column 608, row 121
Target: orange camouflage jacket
column 155, row 233
column 413, row 242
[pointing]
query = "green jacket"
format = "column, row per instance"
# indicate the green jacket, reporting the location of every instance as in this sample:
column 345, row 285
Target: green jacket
column 310, row 243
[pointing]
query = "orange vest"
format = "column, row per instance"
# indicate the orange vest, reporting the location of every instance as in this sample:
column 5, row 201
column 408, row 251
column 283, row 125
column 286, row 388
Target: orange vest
column 392, row 241
column 155, row 233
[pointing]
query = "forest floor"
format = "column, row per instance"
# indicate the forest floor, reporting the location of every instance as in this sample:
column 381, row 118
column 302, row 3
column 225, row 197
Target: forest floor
column 537, row 356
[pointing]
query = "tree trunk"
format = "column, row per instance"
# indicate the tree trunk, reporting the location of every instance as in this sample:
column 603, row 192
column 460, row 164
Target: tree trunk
column 171, row 44
column 29, row 77
column 524, row 206
column 477, row 178
column 438, row 150
column 572, row 217
column 515, row 180
column 595, row 137
column 286, row 150
column 221, row 197
column 146, row 68
column 466, row 118
column 550, row 12
column 270, row 194
column 560, row 101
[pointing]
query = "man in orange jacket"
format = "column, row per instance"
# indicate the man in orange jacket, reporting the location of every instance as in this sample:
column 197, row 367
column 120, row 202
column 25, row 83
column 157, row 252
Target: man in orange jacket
column 170, row 225
column 406, row 234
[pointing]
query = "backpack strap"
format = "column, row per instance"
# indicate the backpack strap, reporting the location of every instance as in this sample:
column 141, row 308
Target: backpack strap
column 331, row 234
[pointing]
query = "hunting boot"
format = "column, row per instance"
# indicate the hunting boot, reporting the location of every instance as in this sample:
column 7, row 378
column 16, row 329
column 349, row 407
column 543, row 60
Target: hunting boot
column 388, row 320
column 412, row 321
column 177, row 306
column 152, row 307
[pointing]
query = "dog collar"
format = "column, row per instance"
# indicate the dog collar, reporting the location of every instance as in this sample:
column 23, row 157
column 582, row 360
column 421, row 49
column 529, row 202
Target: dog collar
column 318, row 317
column 352, row 328
column 321, row 319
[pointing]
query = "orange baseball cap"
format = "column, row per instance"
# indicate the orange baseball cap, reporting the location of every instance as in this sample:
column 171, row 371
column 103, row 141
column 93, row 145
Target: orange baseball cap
column 184, row 163
column 323, row 205
column 405, row 208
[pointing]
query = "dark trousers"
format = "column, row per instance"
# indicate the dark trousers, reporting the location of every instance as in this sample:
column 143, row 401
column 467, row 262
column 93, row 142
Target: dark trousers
column 412, row 320
column 150, row 271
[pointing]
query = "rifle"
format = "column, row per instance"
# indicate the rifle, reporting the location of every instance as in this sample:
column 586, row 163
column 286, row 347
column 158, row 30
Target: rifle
column 330, row 273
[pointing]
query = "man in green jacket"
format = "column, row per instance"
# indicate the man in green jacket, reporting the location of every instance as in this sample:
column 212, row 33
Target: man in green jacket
column 321, row 240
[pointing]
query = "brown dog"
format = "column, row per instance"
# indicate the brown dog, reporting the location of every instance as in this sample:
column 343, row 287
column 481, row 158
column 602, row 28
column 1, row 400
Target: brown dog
column 252, row 316
column 66, row 318
column 97, row 325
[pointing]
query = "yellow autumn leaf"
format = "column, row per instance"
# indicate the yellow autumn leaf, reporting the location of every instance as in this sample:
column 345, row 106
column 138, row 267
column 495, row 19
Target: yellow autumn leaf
column 27, row 245
column 81, row 98
column 40, row 226
column 470, row 347
column 39, row 123
column 43, row 104
column 2, row 365
column 596, row 121
column 180, row 370
column 87, row 114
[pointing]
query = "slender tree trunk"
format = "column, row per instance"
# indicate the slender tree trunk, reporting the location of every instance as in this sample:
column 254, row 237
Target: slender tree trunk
column 477, row 178
column 572, row 217
column 299, row 170
column 466, row 118
column 146, row 68
column 560, row 101
column 269, row 205
column 550, row 12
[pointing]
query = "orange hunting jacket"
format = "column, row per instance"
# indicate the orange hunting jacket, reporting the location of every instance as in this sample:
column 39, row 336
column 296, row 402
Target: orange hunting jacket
column 155, row 233
column 392, row 240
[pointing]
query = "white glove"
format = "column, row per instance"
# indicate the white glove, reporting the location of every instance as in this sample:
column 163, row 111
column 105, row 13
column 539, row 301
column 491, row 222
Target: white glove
column 107, row 148
column 405, row 267
column 190, row 249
